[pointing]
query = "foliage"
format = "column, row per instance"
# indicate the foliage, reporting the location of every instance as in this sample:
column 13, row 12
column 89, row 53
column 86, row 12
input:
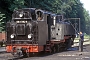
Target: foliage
column 15, row 4
column 2, row 17
column 68, row 8
column 87, row 19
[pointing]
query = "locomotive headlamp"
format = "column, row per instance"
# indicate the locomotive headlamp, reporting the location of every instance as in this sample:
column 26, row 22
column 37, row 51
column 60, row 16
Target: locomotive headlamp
column 21, row 15
column 12, row 36
column 30, row 36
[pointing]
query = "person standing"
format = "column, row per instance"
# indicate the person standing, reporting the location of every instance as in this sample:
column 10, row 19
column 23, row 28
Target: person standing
column 81, row 41
column 81, row 36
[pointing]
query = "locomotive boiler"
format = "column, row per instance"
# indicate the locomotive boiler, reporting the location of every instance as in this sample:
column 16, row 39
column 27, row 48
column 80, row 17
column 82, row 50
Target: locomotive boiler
column 34, row 30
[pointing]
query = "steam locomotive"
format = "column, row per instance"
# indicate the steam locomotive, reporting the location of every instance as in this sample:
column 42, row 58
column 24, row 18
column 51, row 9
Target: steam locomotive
column 34, row 30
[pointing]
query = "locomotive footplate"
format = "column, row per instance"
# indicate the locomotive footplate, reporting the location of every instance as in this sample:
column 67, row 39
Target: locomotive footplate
column 57, row 41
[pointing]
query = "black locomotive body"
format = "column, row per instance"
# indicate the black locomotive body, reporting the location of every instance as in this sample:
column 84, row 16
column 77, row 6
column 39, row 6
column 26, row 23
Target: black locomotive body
column 34, row 30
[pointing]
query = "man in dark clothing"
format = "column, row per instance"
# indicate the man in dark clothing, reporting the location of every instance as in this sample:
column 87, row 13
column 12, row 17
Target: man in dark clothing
column 81, row 41
column 81, row 36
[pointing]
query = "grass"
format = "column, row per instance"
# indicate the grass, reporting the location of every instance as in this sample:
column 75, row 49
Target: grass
column 85, row 37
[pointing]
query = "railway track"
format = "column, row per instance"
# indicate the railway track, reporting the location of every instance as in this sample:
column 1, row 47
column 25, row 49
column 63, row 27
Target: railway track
column 66, row 55
column 86, row 42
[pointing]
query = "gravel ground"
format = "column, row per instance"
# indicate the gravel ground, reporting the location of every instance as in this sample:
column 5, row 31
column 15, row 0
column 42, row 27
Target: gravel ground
column 70, row 54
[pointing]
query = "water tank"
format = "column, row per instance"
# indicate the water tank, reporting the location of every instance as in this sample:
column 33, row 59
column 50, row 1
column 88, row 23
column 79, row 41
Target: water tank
column 57, row 32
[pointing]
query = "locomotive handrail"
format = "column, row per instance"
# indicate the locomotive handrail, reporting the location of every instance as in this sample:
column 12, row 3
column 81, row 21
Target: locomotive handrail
column 21, row 18
column 21, row 40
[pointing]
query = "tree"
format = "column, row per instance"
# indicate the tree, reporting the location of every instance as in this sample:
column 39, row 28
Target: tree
column 87, row 21
column 2, row 22
column 41, row 4
column 68, row 8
